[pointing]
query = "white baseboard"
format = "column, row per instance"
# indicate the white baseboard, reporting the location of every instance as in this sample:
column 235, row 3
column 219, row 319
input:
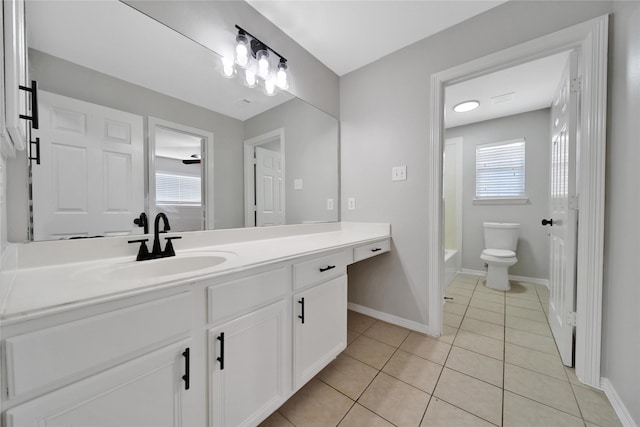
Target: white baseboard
column 390, row 318
column 616, row 402
column 534, row 280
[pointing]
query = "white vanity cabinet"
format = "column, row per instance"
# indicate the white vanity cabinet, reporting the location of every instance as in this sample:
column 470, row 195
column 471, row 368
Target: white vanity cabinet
column 250, row 354
column 320, row 314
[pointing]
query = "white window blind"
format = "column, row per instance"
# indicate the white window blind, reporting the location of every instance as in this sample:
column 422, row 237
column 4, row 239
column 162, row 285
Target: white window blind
column 500, row 170
column 173, row 189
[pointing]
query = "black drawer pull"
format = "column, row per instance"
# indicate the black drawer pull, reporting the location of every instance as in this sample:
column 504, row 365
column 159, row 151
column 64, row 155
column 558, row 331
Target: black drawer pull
column 328, row 267
column 221, row 358
column 376, row 249
column 185, row 377
column 301, row 316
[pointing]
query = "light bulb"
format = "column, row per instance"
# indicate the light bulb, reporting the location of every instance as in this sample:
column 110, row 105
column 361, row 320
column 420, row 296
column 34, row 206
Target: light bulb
column 227, row 67
column 250, row 78
column 263, row 63
column 281, row 76
column 270, row 87
column 242, row 51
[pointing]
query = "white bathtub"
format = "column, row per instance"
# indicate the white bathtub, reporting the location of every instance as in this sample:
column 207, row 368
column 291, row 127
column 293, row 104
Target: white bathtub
column 450, row 265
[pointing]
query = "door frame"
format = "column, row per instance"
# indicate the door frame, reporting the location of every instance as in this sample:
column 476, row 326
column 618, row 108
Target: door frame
column 249, row 176
column 590, row 38
column 207, row 171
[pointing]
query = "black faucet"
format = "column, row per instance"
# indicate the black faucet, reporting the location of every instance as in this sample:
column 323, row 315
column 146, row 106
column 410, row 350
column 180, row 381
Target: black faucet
column 157, row 252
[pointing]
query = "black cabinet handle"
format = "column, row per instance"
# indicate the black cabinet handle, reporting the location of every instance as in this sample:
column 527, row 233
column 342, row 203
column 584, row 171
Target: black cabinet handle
column 221, row 358
column 301, row 316
column 185, row 377
column 329, row 267
column 376, row 249
column 33, row 90
column 547, row 222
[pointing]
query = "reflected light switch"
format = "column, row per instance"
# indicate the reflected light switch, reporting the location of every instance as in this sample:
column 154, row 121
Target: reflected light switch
column 399, row 173
column 297, row 184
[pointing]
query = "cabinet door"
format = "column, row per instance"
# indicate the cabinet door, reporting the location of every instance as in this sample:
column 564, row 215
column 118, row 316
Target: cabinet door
column 147, row 391
column 250, row 365
column 320, row 319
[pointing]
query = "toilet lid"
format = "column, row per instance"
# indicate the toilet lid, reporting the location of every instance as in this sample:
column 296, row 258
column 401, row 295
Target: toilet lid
column 499, row 253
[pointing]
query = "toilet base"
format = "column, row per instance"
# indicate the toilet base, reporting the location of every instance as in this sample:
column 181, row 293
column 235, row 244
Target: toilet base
column 498, row 277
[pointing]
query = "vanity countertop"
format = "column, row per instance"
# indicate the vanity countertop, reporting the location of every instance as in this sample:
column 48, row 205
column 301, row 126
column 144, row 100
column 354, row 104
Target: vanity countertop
column 47, row 277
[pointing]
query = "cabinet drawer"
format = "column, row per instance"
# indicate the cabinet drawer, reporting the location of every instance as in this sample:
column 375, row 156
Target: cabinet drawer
column 230, row 299
column 372, row 249
column 81, row 347
column 319, row 269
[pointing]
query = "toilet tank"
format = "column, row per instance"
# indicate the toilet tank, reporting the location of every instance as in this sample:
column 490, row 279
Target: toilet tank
column 501, row 235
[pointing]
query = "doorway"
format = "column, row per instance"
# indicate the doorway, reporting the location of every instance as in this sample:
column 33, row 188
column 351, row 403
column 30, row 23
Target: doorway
column 590, row 39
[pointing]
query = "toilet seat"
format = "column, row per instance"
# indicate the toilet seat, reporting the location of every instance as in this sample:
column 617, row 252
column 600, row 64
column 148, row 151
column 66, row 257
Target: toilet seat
column 499, row 253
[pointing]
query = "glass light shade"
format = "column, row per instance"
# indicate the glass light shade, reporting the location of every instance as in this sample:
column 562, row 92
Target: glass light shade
column 465, row 106
column 242, row 50
column 262, row 56
column 281, row 76
column 227, row 67
column 250, row 78
column 270, row 87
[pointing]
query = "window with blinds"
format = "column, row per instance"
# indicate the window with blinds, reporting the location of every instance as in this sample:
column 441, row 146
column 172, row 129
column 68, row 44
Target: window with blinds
column 173, row 189
column 500, row 170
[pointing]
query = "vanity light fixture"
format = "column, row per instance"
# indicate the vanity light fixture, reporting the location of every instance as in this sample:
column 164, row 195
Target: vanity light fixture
column 465, row 106
column 255, row 65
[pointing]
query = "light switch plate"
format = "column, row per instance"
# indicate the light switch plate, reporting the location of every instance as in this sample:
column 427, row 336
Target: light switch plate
column 351, row 203
column 297, row 184
column 399, row 173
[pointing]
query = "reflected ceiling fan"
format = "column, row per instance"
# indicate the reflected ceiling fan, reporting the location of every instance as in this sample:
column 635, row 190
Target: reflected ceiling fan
column 194, row 160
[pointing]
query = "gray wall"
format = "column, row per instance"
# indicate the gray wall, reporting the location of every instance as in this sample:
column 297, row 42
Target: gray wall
column 621, row 318
column 533, row 244
column 212, row 24
column 311, row 154
column 385, row 110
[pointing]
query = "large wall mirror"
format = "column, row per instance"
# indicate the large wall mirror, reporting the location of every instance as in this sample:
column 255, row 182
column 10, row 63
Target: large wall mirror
column 137, row 117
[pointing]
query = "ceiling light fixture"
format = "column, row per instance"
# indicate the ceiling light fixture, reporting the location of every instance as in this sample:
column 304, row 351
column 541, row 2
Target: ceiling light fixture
column 253, row 63
column 465, row 106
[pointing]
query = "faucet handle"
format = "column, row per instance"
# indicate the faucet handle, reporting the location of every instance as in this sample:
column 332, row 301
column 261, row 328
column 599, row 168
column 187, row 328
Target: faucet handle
column 168, row 249
column 143, row 252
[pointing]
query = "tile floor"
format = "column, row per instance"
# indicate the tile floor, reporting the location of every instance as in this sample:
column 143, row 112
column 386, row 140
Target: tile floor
column 496, row 364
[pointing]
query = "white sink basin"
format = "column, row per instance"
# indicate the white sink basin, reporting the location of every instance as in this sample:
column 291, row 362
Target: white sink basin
column 184, row 264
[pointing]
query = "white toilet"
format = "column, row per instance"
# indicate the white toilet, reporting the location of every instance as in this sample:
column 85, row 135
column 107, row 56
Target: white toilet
column 500, row 242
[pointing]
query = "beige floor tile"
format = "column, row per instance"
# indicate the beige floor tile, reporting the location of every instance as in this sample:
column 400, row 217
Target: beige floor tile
column 351, row 336
column 358, row 322
column 528, row 326
column 316, row 404
column 541, row 388
column 481, row 327
column 372, row 352
column 276, row 420
column 522, row 290
column 442, row 414
column 522, row 412
column 395, row 401
column 532, row 341
column 458, row 299
column 571, row 374
column 486, row 315
column 487, row 305
column 535, row 315
column 480, row 344
column 387, row 333
column 426, row 347
column 595, row 407
column 348, row 375
column 475, row 396
column 477, row 365
column 454, row 290
column 448, row 334
column 535, row 361
column 359, row 416
column 486, row 296
column 483, row 288
column 413, row 370
column 452, row 307
column 523, row 303
column 468, row 277
column 451, row 319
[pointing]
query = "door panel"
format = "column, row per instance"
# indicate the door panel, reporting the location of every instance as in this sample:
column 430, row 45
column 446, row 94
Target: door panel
column 269, row 189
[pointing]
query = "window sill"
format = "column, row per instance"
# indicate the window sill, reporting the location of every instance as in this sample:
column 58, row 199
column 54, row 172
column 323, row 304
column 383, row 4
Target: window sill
column 501, row 201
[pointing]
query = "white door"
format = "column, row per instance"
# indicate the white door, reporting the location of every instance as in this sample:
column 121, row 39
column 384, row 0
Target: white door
column 249, row 363
column 147, row 391
column 90, row 180
column 563, row 211
column 269, row 188
column 320, row 328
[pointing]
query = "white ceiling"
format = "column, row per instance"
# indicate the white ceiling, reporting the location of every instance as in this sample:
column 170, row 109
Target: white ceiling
column 346, row 35
column 176, row 145
column 526, row 87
